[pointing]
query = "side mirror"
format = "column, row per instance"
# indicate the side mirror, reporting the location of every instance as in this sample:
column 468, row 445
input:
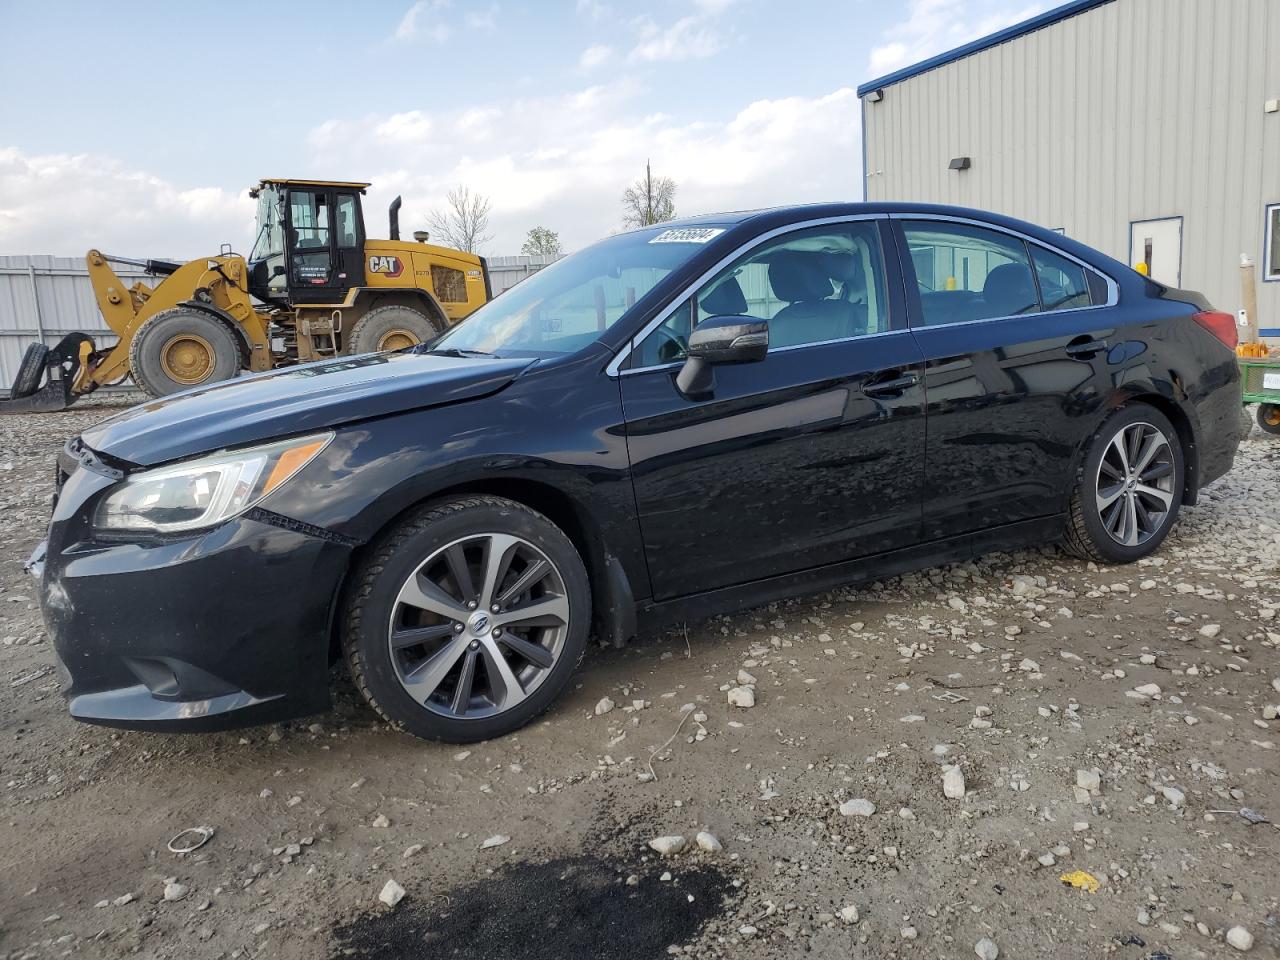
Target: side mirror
column 719, row 340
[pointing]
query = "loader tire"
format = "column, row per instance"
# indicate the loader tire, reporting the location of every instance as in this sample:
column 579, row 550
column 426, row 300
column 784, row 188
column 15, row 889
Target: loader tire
column 180, row 349
column 391, row 328
column 29, row 373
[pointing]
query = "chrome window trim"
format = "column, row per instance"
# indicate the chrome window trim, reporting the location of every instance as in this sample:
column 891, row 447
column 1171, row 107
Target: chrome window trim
column 1113, row 288
column 621, row 357
column 772, row 350
column 1011, row 316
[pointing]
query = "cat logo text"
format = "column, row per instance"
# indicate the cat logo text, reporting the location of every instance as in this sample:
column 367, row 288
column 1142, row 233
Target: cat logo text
column 387, row 266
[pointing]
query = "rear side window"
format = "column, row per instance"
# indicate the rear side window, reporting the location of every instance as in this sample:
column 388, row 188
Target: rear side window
column 967, row 273
column 1062, row 281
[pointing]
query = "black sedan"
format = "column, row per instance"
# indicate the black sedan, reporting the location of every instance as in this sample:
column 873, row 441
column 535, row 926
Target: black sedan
column 680, row 420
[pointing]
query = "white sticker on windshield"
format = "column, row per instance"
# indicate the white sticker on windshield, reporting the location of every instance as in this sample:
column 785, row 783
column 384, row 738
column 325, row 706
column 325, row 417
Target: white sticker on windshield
column 688, row 235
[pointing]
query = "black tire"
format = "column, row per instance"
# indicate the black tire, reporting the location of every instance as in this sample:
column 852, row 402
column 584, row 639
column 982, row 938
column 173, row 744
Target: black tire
column 182, row 348
column 1087, row 535
column 391, row 328
column 30, row 371
column 372, row 608
column 1269, row 418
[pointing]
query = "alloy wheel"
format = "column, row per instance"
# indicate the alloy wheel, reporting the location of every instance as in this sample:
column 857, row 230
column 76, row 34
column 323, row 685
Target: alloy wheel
column 478, row 626
column 1135, row 484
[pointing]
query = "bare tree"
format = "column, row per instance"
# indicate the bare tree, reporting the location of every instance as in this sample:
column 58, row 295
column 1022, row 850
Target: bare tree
column 541, row 240
column 464, row 222
column 649, row 200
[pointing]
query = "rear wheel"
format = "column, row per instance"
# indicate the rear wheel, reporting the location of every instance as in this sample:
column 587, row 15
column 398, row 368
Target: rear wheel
column 182, row 348
column 1269, row 417
column 1129, row 487
column 390, row 328
column 467, row 619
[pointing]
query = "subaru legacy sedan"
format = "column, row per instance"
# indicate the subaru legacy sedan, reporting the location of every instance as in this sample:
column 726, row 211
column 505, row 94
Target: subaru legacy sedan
column 685, row 419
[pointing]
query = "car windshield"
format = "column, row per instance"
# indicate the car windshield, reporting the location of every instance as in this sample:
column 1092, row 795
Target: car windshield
column 566, row 306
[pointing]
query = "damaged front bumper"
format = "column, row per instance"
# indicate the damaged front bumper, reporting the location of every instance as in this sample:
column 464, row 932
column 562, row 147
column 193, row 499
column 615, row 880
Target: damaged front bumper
column 215, row 629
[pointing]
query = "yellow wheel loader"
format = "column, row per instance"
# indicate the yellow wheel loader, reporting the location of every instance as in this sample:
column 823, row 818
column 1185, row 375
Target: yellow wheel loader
column 313, row 286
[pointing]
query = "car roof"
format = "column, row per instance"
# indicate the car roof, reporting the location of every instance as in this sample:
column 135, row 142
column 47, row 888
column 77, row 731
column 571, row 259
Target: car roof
column 791, row 213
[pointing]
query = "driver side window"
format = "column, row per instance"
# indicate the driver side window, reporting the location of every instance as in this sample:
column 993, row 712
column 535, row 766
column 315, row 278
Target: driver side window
column 813, row 286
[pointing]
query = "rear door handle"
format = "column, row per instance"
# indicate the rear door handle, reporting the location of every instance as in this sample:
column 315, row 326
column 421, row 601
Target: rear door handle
column 894, row 386
column 1085, row 349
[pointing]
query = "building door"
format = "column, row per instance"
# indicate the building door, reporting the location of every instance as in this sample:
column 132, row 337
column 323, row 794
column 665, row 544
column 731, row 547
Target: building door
column 1158, row 245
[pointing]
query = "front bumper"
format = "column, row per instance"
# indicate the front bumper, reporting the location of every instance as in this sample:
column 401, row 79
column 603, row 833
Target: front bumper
column 219, row 629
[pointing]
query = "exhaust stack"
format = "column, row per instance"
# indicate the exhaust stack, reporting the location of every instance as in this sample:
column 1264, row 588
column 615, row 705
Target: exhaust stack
column 394, row 216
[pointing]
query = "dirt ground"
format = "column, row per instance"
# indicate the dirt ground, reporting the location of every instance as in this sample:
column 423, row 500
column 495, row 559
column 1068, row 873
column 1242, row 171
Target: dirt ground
column 1021, row 671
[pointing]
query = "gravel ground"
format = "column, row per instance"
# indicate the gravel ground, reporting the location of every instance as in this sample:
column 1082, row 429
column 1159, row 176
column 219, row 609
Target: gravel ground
column 923, row 761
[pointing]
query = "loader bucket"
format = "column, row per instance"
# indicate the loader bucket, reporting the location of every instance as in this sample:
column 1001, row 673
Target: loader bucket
column 52, row 388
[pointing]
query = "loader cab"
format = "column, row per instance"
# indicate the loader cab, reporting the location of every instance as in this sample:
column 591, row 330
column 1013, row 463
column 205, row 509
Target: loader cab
column 309, row 245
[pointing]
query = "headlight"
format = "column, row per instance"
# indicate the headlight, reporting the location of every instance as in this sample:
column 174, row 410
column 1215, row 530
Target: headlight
column 205, row 492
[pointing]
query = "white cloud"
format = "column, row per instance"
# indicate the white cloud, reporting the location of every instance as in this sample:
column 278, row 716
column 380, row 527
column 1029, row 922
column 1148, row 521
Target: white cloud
column 689, row 38
column 63, row 204
column 486, row 19
column 409, row 127
column 416, row 23
column 593, row 9
column 932, row 26
column 563, row 161
column 595, row 56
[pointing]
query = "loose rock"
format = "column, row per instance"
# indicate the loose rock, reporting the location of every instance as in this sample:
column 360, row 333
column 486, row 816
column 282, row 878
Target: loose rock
column 743, row 697
column 857, row 808
column 1240, row 938
column 392, row 893
column 668, row 846
column 708, row 842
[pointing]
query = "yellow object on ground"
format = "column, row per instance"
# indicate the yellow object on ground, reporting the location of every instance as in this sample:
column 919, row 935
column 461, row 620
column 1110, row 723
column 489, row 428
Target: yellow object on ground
column 314, row 286
column 1081, row 880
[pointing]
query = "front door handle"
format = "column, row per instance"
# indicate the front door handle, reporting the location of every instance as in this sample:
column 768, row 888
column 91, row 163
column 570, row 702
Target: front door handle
column 1085, row 349
column 895, row 386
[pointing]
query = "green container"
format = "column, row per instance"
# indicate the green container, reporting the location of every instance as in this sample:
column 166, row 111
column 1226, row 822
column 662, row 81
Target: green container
column 1260, row 380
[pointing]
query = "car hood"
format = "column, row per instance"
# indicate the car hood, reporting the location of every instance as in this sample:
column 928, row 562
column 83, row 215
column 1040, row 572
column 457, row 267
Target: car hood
column 294, row 400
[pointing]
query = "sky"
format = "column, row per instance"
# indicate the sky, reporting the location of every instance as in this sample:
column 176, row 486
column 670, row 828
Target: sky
column 137, row 127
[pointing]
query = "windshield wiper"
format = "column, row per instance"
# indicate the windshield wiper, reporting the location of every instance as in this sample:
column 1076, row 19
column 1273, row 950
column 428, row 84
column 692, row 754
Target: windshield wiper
column 453, row 352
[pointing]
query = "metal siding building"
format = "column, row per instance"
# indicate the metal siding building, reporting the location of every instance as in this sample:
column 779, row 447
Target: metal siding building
column 1140, row 127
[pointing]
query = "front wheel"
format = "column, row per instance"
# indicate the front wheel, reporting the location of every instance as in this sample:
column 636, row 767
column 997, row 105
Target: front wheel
column 1128, row 489
column 467, row 619
column 390, row 328
column 1269, row 417
column 183, row 348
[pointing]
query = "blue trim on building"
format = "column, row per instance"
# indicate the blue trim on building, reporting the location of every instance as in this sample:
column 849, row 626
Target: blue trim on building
column 1048, row 18
column 1269, row 332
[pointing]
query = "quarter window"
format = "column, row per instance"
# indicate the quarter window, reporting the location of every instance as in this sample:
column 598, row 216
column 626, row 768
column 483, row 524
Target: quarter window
column 969, row 273
column 1273, row 243
column 1062, row 281
column 812, row 286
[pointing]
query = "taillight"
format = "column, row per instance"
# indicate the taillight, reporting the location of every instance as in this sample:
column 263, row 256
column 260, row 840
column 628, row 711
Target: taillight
column 1221, row 325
